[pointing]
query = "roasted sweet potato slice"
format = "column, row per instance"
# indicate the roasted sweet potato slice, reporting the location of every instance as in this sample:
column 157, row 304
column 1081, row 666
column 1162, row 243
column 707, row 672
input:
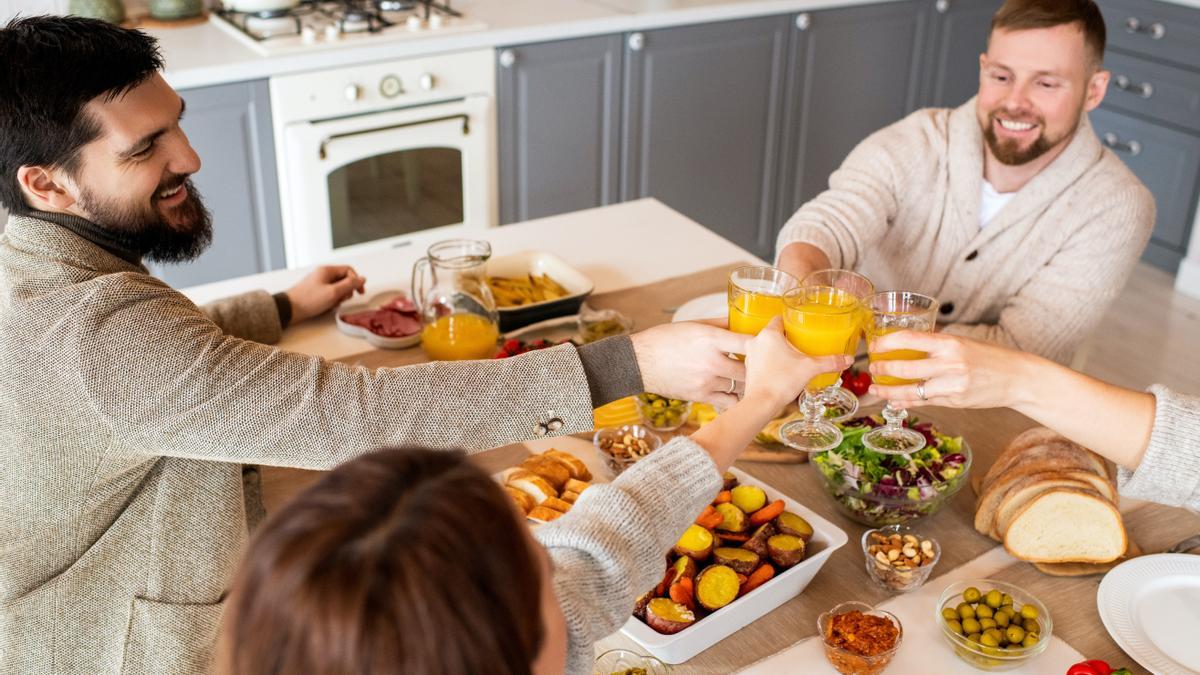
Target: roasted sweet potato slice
column 738, row 559
column 734, row 518
column 749, row 498
column 717, row 586
column 639, row 607
column 730, row 481
column 758, row 541
column 790, row 523
column 684, row 567
column 785, row 549
column 696, row 543
column 667, row 616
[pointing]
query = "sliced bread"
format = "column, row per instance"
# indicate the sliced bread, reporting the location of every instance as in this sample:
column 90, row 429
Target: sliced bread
column 1025, row 490
column 1076, row 569
column 1067, row 525
column 1050, row 458
column 1023, row 440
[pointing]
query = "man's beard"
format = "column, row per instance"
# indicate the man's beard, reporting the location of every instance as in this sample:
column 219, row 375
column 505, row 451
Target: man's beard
column 180, row 238
column 1010, row 153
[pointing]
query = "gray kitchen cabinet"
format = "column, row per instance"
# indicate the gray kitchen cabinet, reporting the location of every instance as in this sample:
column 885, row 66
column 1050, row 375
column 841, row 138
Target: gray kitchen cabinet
column 839, row 92
column 702, row 106
column 1151, row 114
column 960, row 33
column 229, row 126
column 559, row 123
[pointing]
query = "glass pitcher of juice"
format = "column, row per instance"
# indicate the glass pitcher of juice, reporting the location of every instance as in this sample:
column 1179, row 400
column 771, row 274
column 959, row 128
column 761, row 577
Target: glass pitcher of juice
column 457, row 307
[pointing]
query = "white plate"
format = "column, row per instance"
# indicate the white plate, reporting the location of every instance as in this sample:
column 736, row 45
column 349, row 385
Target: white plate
column 1151, row 608
column 380, row 341
column 712, row 306
column 726, row 621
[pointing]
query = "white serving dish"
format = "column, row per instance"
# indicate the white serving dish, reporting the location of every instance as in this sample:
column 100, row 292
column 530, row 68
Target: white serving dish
column 576, row 283
column 726, row 621
column 380, row 341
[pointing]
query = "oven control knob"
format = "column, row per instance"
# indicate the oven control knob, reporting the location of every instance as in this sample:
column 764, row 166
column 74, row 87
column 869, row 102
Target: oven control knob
column 390, row 86
column 332, row 33
column 353, row 92
column 414, row 23
column 308, row 35
column 427, row 81
column 435, row 21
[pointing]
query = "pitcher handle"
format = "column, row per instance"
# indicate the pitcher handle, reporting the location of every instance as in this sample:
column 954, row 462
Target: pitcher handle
column 418, row 283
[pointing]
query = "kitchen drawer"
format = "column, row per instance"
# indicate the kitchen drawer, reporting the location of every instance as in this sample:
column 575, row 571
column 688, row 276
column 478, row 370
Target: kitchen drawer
column 1157, row 90
column 1156, row 29
column 1168, row 162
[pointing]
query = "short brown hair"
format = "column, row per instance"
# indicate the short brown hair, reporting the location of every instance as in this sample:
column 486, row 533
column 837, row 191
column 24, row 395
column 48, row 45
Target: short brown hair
column 400, row 561
column 1029, row 14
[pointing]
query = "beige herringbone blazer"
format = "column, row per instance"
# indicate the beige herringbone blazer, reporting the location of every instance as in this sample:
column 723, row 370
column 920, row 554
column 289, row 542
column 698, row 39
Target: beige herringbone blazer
column 126, row 413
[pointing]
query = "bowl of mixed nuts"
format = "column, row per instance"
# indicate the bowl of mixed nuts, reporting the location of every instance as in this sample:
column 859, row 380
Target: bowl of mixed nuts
column 622, row 446
column 898, row 559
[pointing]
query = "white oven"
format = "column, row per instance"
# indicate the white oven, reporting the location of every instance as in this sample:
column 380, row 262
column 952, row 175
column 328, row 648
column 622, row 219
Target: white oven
column 373, row 156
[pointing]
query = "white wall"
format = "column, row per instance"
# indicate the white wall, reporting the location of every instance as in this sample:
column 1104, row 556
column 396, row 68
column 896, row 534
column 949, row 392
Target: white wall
column 11, row 8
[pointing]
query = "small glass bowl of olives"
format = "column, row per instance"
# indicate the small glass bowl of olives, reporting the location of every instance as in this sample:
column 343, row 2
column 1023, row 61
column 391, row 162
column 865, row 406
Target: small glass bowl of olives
column 993, row 625
column 661, row 413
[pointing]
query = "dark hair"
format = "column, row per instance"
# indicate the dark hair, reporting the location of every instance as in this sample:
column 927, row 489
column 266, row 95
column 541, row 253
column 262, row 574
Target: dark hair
column 1029, row 14
column 52, row 66
column 400, row 561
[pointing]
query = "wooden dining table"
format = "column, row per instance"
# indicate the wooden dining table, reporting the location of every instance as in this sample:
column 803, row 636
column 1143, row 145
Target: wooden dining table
column 1070, row 600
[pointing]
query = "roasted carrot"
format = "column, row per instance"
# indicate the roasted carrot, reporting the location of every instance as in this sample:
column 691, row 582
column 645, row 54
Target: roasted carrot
column 758, row 577
column 767, row 513
column 723, row 496
column 663, row 586
column 706, row 513
column 683, row 592
column 711, row 520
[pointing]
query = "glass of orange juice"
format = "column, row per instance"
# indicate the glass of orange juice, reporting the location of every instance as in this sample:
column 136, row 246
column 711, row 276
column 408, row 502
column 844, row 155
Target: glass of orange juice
column 892, row 311
column 840, row 403
column 819, row 321
column 756, row 297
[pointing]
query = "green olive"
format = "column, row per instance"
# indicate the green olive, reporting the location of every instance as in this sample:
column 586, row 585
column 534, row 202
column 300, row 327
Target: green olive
column 965, row 611
column 955, row 626
column 1031, row 626
column 1029, row 612
column 1015, row 634
column 987, row 623
column 988, row 640
column 994, row 599
column 950, row 614
column 1030, row 640
column 1002, row 618
column 974, row 637
column 972, row 594
column 995, row 633
column 984, row 612
column 971, row 625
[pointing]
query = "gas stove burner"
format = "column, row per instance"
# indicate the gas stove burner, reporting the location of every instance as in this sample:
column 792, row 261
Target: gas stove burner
column 357, row 15
column 395, row 5
column 270, row 13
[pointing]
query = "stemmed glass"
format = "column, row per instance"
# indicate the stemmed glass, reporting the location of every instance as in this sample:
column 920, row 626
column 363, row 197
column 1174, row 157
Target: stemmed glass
column 756, row 297
column 819, row 321
column 840, row 403
column 892, row 311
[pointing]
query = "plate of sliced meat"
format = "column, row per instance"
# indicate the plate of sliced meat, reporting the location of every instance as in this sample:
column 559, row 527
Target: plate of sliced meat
column 389, row 320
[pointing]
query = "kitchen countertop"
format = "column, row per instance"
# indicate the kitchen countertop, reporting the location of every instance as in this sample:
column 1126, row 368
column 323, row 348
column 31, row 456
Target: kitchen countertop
column 620, row 246
column 205, row 54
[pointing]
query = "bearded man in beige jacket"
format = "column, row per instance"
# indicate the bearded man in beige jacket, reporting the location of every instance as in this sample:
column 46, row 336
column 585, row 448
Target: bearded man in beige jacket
column 1007, row 209
column 127, row 413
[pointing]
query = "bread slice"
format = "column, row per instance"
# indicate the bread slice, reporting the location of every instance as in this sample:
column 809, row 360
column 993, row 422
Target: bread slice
column 1023, row 440
column 1067, row 525
column 1024, row 490
column 522, row 498
column 533, row 485
column 556, row 504
column 578, row 469
column 569, row 496
column 576, row 486
column 555, row 473
column 543, row 513
column 1042, row 459
column 1077, row 569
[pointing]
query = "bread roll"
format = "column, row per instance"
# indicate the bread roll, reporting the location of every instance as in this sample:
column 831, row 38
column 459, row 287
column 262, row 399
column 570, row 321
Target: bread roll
column 578, row 469
column 554, row 472
column 522, row 499
column 533, row 485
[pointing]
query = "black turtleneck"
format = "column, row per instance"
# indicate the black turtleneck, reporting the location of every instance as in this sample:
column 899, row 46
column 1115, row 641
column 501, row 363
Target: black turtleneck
column 105, row 240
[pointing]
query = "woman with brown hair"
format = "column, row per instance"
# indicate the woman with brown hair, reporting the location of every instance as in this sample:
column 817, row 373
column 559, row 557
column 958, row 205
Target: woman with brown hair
column 412, row 561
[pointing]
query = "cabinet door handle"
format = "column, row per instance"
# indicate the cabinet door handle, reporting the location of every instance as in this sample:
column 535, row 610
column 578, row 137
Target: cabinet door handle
column 637, row 41
column 1145, row 89
column 942, row 6
column 507, row 58
column 803, row 21
column 1113, row 141
column 1156, row 30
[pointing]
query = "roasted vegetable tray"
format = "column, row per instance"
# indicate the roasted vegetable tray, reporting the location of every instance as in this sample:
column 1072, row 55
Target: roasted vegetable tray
column 720, row 624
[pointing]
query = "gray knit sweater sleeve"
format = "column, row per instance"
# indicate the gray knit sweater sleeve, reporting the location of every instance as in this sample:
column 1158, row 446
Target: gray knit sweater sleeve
column 1170, row 469
column 609, row 549
column 250, row 316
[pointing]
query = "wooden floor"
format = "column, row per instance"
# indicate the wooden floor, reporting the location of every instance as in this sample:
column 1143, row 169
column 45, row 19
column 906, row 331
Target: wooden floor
column 1150, row 335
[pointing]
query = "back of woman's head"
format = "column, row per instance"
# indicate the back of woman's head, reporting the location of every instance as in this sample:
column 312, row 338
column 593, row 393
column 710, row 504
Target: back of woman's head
column 400, row 561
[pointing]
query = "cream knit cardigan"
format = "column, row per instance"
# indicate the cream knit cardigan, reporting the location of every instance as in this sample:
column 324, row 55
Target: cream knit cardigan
column 904, row 209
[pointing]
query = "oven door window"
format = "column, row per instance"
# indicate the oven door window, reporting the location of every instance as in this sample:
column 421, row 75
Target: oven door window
column 394, row 194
